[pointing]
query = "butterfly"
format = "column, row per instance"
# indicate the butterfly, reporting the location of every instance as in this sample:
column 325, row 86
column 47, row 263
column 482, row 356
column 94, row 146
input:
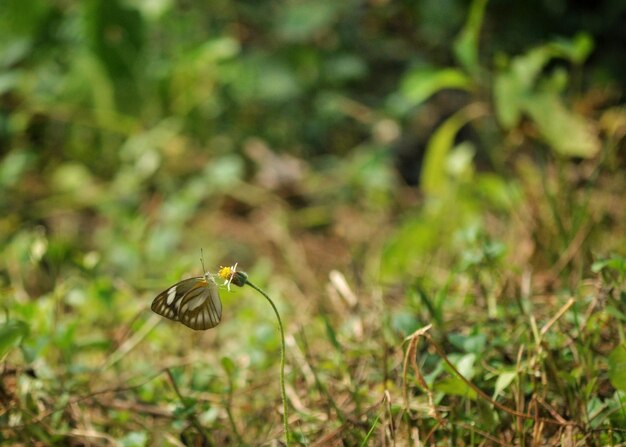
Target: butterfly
column 195, row 302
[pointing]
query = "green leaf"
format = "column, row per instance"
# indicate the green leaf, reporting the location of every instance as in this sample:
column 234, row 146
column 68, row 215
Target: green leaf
column 466, row 44
column 567, row 133
column 473, row 343
column 228, row 365
column 456, row 387
column 508, row 94
column 419, row 84
column 419, row 234
column 330, row 333
column 439, row 146
column 503, row 381
column 454, row 384
column 515, row 85
column 465, row 365
column 576, row 49
column 11, row 335
column 617, row 367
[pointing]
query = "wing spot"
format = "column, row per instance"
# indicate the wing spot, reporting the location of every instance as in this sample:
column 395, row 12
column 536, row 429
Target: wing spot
column 171, row 294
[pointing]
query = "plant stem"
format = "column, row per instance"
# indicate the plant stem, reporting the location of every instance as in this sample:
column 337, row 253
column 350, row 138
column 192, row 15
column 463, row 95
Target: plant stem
column 282, row 360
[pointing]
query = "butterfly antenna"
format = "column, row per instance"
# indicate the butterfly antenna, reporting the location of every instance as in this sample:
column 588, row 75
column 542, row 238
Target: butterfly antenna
column 202, row 260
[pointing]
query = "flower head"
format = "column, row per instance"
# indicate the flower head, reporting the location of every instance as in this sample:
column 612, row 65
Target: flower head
column 230, row 275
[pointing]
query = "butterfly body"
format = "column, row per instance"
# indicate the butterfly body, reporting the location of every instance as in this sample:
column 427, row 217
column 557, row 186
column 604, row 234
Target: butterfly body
column 195, row 302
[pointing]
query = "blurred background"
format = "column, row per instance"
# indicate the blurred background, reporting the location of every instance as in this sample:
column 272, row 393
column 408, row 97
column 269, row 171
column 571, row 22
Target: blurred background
column 376, row 166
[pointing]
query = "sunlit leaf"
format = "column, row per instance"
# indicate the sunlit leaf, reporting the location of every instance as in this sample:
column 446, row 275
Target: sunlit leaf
column 503, row 381
column 466, row 365
column 567, row 133
column 419, row 84
column 466, row 45
column 515, row 86
column 577, row 49
column 434, row 176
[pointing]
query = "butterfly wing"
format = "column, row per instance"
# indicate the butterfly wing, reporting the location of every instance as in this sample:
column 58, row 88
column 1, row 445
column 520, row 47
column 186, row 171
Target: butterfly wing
column 201, row 307
column 195, row 302
column 167, row 303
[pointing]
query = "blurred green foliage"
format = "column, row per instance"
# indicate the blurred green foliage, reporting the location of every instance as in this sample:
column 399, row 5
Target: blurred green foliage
column 460, row 162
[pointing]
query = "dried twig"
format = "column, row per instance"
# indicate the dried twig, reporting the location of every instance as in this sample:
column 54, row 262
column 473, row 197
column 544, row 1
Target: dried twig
column 559, row 314
column 411, row 358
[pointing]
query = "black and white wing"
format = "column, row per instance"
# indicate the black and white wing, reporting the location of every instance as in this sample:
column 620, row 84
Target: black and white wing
column 195, row 302
column 201, row 307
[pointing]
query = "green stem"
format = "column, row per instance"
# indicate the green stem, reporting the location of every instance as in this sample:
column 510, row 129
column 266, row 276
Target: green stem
column 282, row 360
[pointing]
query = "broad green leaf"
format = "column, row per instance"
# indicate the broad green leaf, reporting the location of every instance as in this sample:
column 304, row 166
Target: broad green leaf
column 516, row 84
column 439, row 146
column 577, row 49
column 12, row 333
column 617, row 367
column 513, row 85
column 455, row 385
column 419, row 84
column 466, row 45
column 508, row 94
column 503, row 381
column 473, row 343
column 465, row 365
column 568, row 134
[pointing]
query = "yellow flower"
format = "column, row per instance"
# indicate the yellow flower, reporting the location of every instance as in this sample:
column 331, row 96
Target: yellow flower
column 226, row 273
column 230, row 275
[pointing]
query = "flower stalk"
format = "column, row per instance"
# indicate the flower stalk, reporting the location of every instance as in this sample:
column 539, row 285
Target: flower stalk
column 240, row 279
